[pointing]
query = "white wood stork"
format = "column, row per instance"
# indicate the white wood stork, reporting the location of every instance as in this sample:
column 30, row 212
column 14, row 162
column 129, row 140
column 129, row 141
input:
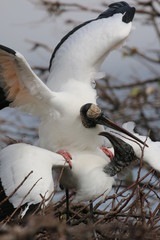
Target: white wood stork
column 73, row 66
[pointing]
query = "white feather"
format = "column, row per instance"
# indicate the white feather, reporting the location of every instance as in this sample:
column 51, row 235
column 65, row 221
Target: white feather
column 17, row 161
column 73, row 69
column 150, row 153
column 20, row 84
column 78, row 59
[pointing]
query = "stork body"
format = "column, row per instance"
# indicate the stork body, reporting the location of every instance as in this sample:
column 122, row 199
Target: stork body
column 73, row 67
column 19, row 161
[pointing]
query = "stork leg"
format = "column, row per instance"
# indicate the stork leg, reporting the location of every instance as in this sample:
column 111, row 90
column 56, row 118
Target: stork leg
column 67, row 206
column 91, row 211
column 68, row 159
column 92, row 219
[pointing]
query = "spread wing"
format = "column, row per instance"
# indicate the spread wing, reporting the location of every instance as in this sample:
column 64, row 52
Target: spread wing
column 20, row 160
column 19, row 85
column 79, row 54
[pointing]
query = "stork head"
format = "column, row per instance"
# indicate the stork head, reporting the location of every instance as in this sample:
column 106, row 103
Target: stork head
column 91, row 115
column 124, row 154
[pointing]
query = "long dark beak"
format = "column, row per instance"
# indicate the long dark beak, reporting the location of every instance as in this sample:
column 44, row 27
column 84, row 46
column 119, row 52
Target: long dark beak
column 117, row 143
column 103, row 120
column 123, row 154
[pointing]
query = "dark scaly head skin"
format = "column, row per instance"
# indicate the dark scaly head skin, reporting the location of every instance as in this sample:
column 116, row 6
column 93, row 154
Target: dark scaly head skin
column 89, row 114
column 123, row 155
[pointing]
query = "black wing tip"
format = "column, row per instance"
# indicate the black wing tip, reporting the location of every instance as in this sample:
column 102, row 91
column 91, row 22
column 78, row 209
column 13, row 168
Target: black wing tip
column 3, row 99
column 4, row 104
column 118, row 4
column 129, row 15
column 7, row 49
column 119, row 7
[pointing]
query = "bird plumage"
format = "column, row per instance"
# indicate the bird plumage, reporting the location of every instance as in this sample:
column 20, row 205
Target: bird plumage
column 79, row 54
column 21, row 87
column 92, row 181
column 19, row 160
column 73, row 67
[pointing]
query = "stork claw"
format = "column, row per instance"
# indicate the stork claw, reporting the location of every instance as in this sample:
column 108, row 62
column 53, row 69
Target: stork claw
column 67, row 156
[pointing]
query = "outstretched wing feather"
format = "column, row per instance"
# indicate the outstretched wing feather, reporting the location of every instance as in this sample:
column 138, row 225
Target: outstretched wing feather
column 20, row 87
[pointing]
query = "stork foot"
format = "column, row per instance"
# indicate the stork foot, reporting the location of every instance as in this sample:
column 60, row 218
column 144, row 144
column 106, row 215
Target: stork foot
column 67, row 156
column 107, row 152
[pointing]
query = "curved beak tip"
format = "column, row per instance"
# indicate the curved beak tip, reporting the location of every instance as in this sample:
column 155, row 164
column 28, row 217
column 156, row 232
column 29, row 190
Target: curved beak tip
column 108, row 123
column 111, row 136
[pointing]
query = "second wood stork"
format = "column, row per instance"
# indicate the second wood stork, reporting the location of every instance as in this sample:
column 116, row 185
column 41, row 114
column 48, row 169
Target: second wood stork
column 26, row 172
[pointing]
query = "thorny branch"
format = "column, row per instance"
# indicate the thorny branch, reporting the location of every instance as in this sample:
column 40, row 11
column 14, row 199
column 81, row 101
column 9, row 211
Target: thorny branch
column 132, row 204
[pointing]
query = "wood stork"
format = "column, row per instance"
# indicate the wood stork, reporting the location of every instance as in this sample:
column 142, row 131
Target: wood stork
column 95, row 180
column 91, row 174
column 73, row 66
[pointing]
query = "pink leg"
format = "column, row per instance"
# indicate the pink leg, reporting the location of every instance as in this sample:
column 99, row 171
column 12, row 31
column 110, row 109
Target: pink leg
column 107, row 152
column 67, row 156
